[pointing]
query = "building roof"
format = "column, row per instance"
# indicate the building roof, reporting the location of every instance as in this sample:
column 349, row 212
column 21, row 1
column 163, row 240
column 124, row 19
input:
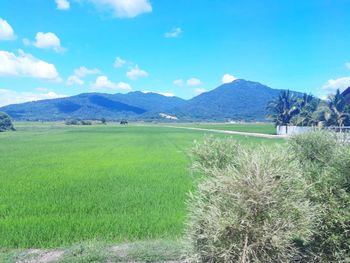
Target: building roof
column 346, row 94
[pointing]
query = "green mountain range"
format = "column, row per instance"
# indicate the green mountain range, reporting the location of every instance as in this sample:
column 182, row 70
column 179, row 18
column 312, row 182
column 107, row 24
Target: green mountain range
column 238, row 100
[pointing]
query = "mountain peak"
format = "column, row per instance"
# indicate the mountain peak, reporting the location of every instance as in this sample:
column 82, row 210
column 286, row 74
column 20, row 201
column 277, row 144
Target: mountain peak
column 245, row 82
column 239, row 100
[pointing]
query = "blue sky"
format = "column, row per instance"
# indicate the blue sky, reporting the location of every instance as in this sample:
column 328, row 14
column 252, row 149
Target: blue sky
column 53, row 48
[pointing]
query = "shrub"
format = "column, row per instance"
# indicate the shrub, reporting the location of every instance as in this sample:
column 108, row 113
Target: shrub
column 314, row 148
column 250, row 206
column 71, row 122
column 5, row 123
column 326, row 167
column 214, row 153
column 86, row 122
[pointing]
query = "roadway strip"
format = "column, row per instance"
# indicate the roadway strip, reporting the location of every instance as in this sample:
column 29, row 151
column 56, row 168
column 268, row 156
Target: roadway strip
column 251, row 134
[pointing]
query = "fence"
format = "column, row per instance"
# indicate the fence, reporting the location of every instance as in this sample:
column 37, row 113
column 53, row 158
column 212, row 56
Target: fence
column 339, row 129
column 341, row 132
column 293, row 130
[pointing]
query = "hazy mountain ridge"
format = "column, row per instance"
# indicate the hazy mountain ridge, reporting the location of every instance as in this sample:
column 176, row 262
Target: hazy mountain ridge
column 239, row 100
column 92, row 106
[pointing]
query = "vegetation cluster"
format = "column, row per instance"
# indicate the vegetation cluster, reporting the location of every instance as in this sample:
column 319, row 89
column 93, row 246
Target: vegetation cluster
column 286, row 203
column 83, row 122
column 5, row 123
column 290, row 109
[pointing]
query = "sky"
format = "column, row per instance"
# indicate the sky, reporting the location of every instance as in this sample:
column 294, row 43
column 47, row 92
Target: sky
column 58, row 48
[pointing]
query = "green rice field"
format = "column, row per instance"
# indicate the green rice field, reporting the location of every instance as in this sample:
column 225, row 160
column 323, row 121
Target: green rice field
column 62, row 184
column 265, row 128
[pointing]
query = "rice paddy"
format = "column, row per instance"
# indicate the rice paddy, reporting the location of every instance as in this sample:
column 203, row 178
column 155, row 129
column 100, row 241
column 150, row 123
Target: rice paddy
column 61, row 185
column 265, row 128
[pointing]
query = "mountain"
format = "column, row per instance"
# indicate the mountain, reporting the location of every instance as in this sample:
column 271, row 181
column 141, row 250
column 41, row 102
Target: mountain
column 94, row 106
column 238, row 100
column 153, row 102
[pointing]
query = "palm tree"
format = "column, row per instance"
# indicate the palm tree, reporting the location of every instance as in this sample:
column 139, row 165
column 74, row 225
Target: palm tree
column 322, row 114
column 338, row 110
column 282, row 109
column 334, row 111
column 307, row 106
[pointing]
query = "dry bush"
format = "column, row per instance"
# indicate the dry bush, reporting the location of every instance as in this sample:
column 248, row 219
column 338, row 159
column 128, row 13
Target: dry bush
column 214, row 154
column 326, row 166
column 250, row 206
column 314, row 148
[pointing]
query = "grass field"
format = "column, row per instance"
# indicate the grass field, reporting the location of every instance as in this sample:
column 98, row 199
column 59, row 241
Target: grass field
column 265, row 128
column 62, row 185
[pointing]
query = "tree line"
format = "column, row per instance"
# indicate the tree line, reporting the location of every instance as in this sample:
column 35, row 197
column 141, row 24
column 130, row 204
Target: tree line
column 290, row 109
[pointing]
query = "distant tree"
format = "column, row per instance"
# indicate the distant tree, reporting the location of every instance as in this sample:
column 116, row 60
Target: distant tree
column 123, row 122
column 5, row 123
column 71, row 122
column 83, row 122
column 283, row 108
column 103, row 121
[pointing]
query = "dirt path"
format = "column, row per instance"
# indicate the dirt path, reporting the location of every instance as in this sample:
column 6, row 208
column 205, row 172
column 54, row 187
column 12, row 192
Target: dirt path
column 40, row 256
column 158, row 251
column 251, row 134
column 51, row 256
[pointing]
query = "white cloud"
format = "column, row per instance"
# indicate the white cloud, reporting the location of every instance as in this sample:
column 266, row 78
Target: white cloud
column 102, row 82
column 46, row 41
column 6, row 31
column 119, row 62
column 194, row 82
column 167, row 94
column 200, row 91
column 124, row 8
column 340, row 83
column 83, row 72
column 74, row 80
column 26, row 65
column 178, row 82
column 62, row 4
column 135, row 73
column 176, row 32
column 11, row 97
column 347, row 65
column 227, row 78
column 79, row 73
